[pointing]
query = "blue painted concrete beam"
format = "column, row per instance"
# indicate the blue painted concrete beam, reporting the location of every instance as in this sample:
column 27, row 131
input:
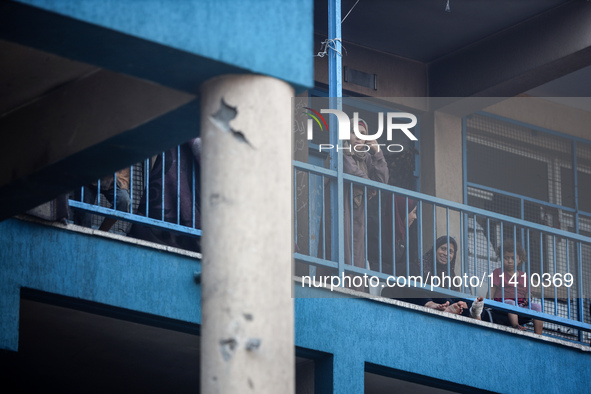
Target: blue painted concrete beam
column 94, row 269
column 176, row 43
column 360, row 331
column 81, row 168
column 349, row 335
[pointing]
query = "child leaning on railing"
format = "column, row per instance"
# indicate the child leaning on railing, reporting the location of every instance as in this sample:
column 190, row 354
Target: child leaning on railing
column 509, row 279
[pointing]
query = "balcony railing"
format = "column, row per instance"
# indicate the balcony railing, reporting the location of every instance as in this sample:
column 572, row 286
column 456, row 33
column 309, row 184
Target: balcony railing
column 164, row 199
column 164, row 194
column 555, row 263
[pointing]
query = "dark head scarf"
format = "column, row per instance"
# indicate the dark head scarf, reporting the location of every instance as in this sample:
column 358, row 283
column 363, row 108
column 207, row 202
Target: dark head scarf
column 428, row 257
column 401, row 213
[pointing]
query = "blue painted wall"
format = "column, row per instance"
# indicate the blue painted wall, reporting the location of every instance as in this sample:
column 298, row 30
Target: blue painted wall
column 272, row 37
column 357, row 331
column 94, row 269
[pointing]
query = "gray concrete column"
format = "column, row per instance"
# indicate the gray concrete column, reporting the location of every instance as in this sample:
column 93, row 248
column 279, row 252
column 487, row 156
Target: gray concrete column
column 442, row 173
column 247, row 310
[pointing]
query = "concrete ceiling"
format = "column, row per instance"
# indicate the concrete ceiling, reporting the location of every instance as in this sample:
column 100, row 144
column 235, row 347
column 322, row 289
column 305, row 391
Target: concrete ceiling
column 54, row 111
column 421, row 29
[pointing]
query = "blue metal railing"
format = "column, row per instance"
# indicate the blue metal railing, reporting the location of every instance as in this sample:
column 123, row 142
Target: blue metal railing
column 554, row 257
column 163, row 193
column 478, row 231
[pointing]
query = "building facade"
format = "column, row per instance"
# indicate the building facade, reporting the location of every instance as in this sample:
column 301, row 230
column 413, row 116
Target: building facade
column 499, row 92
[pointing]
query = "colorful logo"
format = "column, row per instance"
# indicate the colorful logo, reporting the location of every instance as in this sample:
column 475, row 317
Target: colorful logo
column 388, row 124
column 315, row 116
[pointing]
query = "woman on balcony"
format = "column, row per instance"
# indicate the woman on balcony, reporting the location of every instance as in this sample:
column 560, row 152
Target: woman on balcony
column 438, row 268
column 363, row 159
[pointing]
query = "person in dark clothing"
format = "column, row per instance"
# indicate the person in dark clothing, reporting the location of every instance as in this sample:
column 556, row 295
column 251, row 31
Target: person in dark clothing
column 440, row 262
column 172, row 195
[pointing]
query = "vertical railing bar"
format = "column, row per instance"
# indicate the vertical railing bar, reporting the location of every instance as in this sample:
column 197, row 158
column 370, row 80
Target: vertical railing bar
column 193, row 192
column 365, row 198
column 115, row 190
column 162, row 193
column 178, row 184
column 542, row 269
column 351, row 223
column 580, row 285
column 567, row 289
column 475, row 252
column 488, row 256
column 528, row 270
column 310, row 191
column 554, row 264
column 147, row 186
column 502, row 266
column 131, row 188
column 407, row 231
column 420, row 229
column 463, row 237
column 379, row 230
column 516, row 268
column 324, row 243
column 434, row 238
column 339, row 242
column 394, row 235
column 447, row 235
column 98, row 192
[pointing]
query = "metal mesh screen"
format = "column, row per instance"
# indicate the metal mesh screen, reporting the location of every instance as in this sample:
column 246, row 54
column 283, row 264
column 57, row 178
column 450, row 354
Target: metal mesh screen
column 137, row 186
column 584, row 176
column 520, row 168
column 520, row 160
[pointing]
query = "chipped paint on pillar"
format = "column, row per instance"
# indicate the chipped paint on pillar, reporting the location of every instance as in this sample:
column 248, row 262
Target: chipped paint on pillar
column 247, row 331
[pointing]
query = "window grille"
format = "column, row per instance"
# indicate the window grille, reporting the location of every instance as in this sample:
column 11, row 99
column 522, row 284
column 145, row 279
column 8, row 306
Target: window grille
column 527, row 173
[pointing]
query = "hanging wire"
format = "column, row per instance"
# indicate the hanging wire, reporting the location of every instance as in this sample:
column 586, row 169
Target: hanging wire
column 349, row 11
column 330, row 44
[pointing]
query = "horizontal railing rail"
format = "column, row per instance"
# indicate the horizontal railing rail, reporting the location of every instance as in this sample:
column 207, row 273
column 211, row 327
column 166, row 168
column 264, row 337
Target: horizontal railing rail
column 135, row 218
column 521, row 198
column 439, row 201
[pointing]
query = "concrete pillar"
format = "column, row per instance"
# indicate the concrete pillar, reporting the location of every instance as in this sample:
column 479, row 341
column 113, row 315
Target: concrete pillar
column 248, row 324
column 448, row 157
column 442, row 174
